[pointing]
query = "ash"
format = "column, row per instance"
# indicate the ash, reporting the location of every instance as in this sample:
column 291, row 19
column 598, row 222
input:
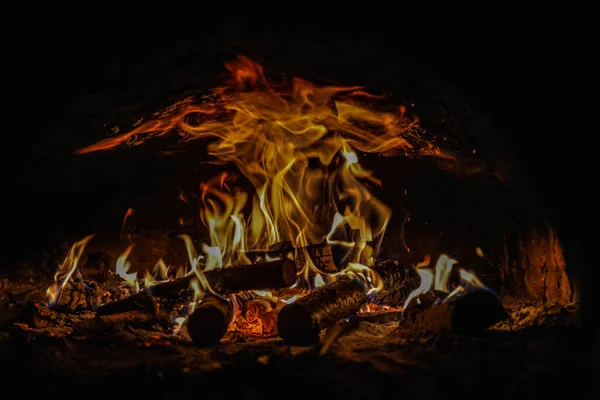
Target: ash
column 537, row 352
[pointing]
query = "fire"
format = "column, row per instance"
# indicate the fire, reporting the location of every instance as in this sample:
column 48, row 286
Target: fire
column 123, row 266
column 65, row 271
column 438, row 279
column 298, row 150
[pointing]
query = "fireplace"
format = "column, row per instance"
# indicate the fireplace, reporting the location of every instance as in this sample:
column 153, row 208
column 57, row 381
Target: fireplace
column 401, row 247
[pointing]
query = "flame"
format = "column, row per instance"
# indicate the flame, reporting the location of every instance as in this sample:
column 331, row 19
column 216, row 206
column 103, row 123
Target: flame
column 65, row 271
column 123, row 266
column 426, row 275
column 128, row 214
column 442, row 272
column 298, row 150
column 470, row 279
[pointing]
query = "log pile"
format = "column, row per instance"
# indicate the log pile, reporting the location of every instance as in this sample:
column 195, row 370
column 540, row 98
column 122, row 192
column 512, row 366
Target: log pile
column 235, row 303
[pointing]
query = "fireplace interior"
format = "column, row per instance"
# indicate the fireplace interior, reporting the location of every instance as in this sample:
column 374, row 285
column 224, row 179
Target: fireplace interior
column 241, row 217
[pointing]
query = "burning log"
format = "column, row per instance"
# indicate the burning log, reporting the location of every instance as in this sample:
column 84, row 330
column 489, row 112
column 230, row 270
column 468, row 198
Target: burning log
column 137, row 318
column 299, row 323
column 75, row 295
column 470, row 313
column 277, row 250
column 274, row 274
column 398, row 283
column 321, row 256
column 210, row 320
column 269, row 275
column 144, row 311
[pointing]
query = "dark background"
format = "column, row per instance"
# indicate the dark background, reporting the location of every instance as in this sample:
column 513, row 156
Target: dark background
column 524, row 73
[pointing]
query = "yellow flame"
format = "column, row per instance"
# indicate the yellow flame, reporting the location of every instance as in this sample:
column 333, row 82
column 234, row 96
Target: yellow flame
column 442, row 272
column 471, row 279
column 65, row 271
column 457, row 290
column 479, row 252
column 426, row 275
column 128, row 214
column 122, row 268
column 319, row 281
column 298, row 149
column 160, row 270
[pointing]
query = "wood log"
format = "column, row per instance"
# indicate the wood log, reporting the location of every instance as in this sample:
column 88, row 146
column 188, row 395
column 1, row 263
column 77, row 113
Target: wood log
column 277, row 250
column 321, row 256
column 209, row 321
column 140, row 301
column 470, row 313
column 75, row 295
column 274, row 274
column 299, row 323
column 398, row 282
column 269, row 275
column 136, row 318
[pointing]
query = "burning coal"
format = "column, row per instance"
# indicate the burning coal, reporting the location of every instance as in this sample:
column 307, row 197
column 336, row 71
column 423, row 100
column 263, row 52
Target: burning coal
column 300, row 192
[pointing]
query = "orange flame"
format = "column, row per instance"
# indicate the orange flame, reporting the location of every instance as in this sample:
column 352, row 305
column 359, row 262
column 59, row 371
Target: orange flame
column 275, row 137
column 65, row 271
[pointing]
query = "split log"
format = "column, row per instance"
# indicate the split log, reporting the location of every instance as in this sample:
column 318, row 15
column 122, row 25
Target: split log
column 274, row 274
column 470, row 313
column 321, row 256
column 398, row 283
column 210, row 320
column 299, row 323
column 77, row 296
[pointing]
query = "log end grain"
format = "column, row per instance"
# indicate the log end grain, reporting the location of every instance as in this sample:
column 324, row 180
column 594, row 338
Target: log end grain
column 209, row 321
column 296, row 327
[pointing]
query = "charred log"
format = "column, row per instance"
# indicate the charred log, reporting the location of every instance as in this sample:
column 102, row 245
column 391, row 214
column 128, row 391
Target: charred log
column 275, row 274
column 76, row 295
column 210, row 320
column 321, row 256
column 140, row 301
column 269, row 275
column 470, row 313
column 398, row 282
column 299, row 323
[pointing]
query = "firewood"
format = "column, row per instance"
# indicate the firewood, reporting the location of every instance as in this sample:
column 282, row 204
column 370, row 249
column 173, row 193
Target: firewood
column 274, row 274
column 321, row 256
column 209, row 321
column 398, row 283
column 277, row 250
column 470, row 313
column 136, row 318
column 140, row 301
column 299, row 323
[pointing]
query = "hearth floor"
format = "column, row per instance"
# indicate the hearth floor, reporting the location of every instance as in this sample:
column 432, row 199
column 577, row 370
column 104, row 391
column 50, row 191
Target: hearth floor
column 538, row 353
